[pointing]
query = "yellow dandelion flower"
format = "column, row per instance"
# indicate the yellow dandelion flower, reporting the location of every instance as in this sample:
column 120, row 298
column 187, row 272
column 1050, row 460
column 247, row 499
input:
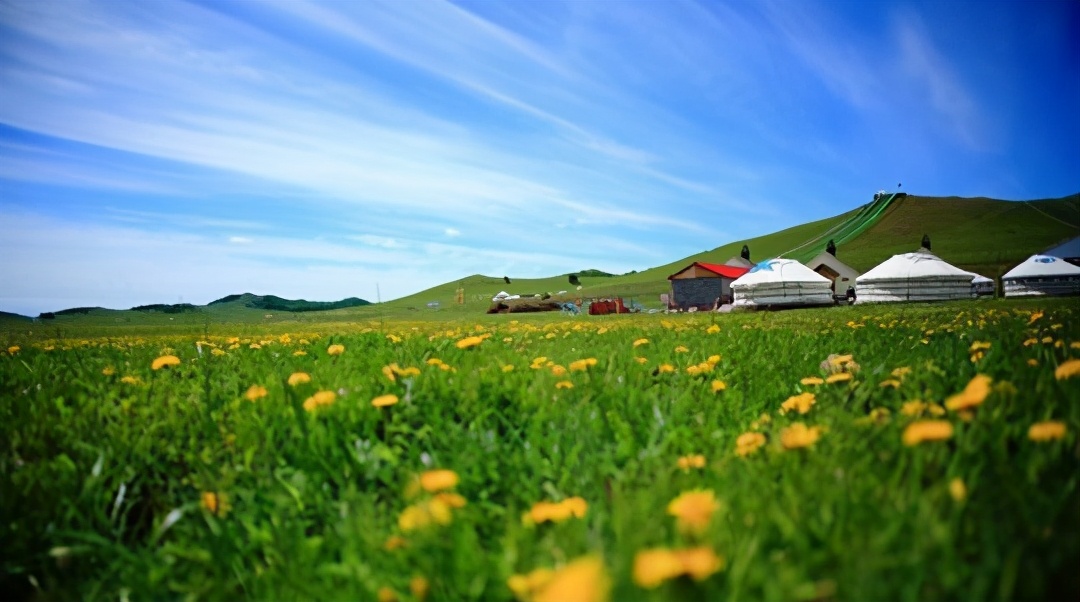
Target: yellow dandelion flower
column 299, row 378
column 978, row 346
column 438, row 480
column 748, row 443
column 419, row 587
column 801, row 403
column 681, row 349
column 130, row 380
column 640, row 360
column 1047, row 339
column 425, row 514
column 1030, row 342
column 890, row 382
column 582, row 365
column 927, row 430
column 1047, row 431
column 665, row 368
column 452, row 499
column 901, row 372
column 1067, row 369
column 713, row 359
column 555, row 512
column 395, row 542
column 699, row 563
column 1074, row 345
column 583, row 580
column 386, row 594
column 558, row 370
column 957, row 489
column 691, row 461
column 108, row 371
column 254, row 346
column 209, row 501
column 165, row 361
column 640, row 342
column 319, row 399
column 468, row 342
column 973, row 394
column 653, row 567
column 335, row 349
column 217, row 352
column 840, row 360
column 433, row 361
column 799, row 435
column 524, row 585
column 838, row 377
column 14, row 349
column 508, row 368
column 1035, row 316
column 913, row 408
column 564, row 384
column 255, row 392
column 393, row 338
column 712, row 329
column 693, row 510
column 384, row 400
column 812, row 380
column 936, row 410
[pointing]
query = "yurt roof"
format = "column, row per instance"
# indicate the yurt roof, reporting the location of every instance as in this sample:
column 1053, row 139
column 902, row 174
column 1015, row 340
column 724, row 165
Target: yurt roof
column 917, row 265
column 1043, row 266
column 779, row 270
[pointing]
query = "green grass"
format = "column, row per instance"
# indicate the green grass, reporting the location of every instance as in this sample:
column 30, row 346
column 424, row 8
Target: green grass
column 93, row 470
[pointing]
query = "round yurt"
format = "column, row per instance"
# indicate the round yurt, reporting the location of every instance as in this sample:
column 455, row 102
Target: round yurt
column 918, row 276
column 982, row 286
column 1042, row 275
column 781, row 283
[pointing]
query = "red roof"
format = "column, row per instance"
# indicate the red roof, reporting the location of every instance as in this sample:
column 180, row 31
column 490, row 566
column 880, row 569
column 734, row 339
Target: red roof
column 727, row 271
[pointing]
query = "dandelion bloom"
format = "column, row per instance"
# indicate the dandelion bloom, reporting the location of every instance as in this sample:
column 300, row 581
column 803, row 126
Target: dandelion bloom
column 640, row 360
column 508, row 368
column 1035, row 316
column 452, row 499
column 1032, row 362
column 691, row 461
column 801, row 402
column 1046, row 431
column 682, row 349
column 108, row 371
column 419, row 587
column 713, row 329
column 890, row 382
column 164, row 361
column 524, row 585
column 130, row 380
column 558, row 370
column 838, row 377
column 812, row 380
column 393, row 338
column 395, row 542
column 468, row 342
column 15, row 349
column 748, row 443
column 665, row 368
column 913, row 408
column 438, row 480
column 582, row 365
column 640, row 342
column 425, row 514
column 384, row 400
column 927, row 430
column 555, row 512
column 335, row 350
column 1067, row 369
column 653, row 567
column 319, row 399
column 713, row 359
column 957, row 489
column 799, row 435
column 901, row 372
column 693, row 510
column 255, row 392
column 209, row 501
column 564, row 384
column 973, row 394
column 583, row 580
column 299, row 378
column 978, row 346
column 386, row 594
column 717, row 386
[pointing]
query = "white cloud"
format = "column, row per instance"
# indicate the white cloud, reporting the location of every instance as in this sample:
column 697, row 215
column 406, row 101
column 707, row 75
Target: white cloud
column 240, row 240
column 452, row 232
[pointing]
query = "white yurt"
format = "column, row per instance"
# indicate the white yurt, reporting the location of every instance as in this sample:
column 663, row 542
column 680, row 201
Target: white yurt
column 918, row 276
column 981, row 285
column 781, row 282
column 1042, row 275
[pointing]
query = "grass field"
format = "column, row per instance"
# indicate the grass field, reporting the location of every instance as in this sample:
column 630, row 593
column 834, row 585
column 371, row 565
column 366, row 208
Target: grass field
column 913, row 452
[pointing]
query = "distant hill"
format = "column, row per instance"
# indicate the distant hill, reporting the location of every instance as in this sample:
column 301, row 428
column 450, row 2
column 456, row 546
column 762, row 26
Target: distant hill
column 986, row 236
column 272, row 303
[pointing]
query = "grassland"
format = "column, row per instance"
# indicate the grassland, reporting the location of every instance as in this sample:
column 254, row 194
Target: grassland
column 517, row 457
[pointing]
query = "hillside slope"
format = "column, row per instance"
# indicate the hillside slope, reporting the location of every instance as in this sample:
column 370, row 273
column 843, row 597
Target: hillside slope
column 983, row 235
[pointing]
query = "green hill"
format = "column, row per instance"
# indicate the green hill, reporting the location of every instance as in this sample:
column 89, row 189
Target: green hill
column 982, row 235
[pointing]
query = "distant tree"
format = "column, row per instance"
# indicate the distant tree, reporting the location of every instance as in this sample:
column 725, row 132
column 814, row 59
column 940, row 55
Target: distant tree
column 746, row 252
column 574, row 279
column 831, row 248
column 506, row 279
column 47, row 315
column 926, row 241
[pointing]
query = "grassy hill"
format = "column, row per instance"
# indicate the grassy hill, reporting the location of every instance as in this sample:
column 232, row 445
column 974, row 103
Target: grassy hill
column 983, row 235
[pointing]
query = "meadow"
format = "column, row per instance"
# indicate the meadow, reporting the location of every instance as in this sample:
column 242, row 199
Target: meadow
column 916, row 452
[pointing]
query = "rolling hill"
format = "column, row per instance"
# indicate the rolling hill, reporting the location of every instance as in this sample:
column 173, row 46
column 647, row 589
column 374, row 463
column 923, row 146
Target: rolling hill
column 982, row 235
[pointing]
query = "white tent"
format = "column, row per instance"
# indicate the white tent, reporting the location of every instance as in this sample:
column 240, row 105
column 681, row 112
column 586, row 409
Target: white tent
column 981, row 285
column 781, row 282
column 919, row 276
column 1042, row 275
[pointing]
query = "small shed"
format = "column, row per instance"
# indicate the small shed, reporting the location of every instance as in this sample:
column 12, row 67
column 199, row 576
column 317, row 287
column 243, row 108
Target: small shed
column 841, row 274
column 701, row 284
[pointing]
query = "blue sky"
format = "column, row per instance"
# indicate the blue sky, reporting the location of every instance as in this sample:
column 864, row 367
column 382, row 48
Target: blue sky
column 158, row 151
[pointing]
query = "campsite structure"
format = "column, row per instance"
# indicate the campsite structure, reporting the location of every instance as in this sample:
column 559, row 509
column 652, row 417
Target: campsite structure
column 1068, row 250
column 1042, row 275
column 782, row 283
column 839, row 273
column 699, row 285
column 918, row 276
